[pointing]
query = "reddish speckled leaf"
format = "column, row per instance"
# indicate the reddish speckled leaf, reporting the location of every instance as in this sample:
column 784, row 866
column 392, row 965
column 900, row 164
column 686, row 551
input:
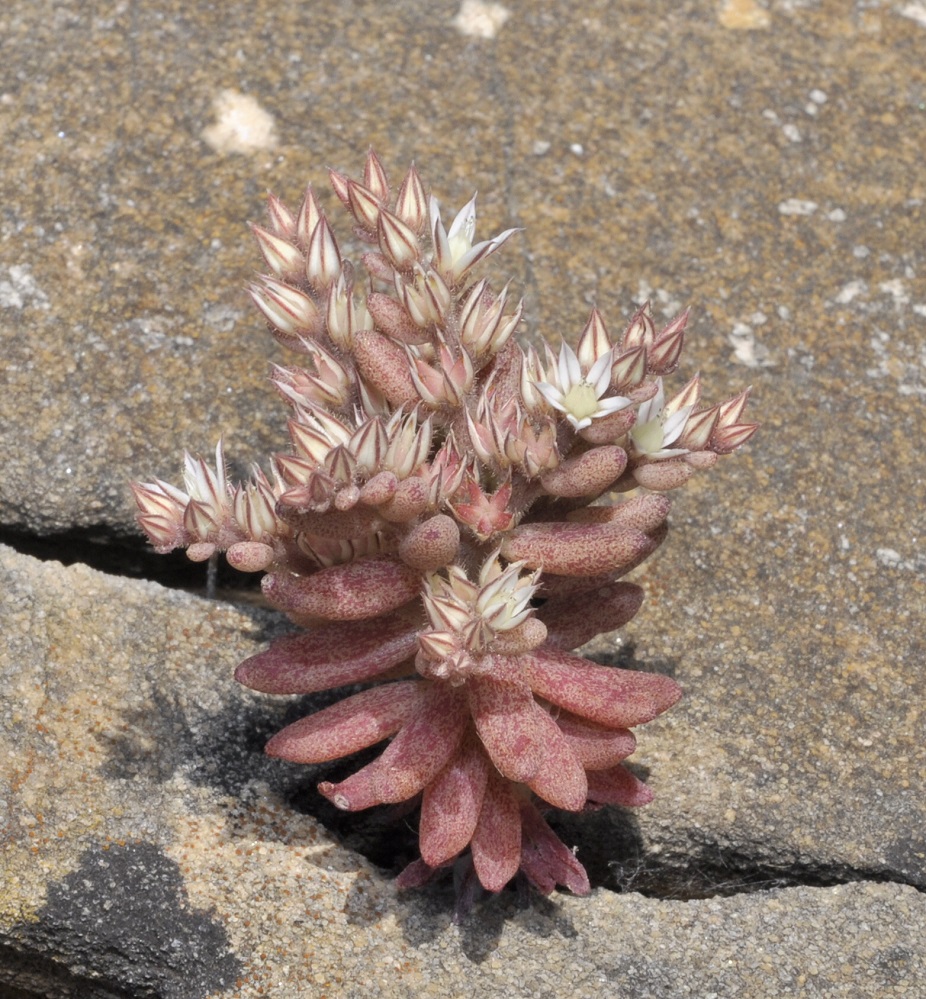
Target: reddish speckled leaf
column 414, row 757
column 617, row 786
column 587, row 474
column 451, row 805
column 353, row 591
column 569, row 623
column 431, row 544
column 510, row 724
column 663, row 474
column 331, row 655
column 577, row 549
column 645, row 513
column 496, row 843
column 383, row 363
column 597, row 748
column 560, row 781
column 545, row 859
column 617, row 698
column 350, row 725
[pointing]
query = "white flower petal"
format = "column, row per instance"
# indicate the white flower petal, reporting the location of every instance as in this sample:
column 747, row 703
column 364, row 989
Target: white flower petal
column 552, row 394
column 651, row 409
column 578, row 424
column 599, row 375
column 463, row 228
column 613, row 405
column 672, row 428
column 570, row 371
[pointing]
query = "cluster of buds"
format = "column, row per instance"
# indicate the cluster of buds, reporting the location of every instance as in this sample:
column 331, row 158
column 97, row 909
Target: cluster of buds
column 448, row 525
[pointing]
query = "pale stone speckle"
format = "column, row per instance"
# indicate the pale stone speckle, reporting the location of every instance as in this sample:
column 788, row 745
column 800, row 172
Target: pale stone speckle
column 850, row 291
column 797, row 206
column 479, row 19
column 19, row 289
column 241, row 125
column 915, row 11
column 746, row 349
column 743, row 15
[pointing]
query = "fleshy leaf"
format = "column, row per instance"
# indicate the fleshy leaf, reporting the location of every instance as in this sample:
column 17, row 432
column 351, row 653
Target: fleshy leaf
column 577, row 549
column 350, row 725
column 331, row 655
column 510, row 725
column 413, row 759
column 365, row 588
column 617, row 698
column 496, row 842
column 451, row 805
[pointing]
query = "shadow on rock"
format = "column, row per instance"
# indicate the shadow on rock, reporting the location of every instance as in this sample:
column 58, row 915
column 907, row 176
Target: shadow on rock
column 121, row 925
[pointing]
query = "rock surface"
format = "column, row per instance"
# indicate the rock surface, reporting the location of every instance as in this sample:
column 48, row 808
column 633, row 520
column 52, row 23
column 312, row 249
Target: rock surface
column 759, row 161
column 152, row 849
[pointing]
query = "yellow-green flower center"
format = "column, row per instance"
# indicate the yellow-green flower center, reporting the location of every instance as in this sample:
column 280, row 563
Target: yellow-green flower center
column 648, row 437
column 581, row 401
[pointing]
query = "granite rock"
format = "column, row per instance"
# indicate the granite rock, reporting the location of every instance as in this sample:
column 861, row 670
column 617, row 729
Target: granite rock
column 151, row 850
column 760, row 161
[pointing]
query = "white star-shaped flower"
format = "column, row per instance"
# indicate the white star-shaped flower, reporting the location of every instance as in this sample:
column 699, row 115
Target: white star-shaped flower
column 655, row 430
column 577, row 394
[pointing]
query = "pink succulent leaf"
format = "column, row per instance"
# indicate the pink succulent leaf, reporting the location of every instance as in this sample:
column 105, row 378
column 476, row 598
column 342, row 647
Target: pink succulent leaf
column 511, row 726
column 413, row 759
column 415, row 875
column 569, row 624
column 331, row 655
column 616, row 698
column 334, row 524
column 379, row 489
column 560, row 781
column 382, row 362
column 577, row 549
column 409, row 500
column 250, row 556
column 496, row 843
column 587, row 474
column 545, row 859
column 393, row 319
column 701, row 460
column 365, row 588
column 645, row 513
column 597, row 748
column 451, row 805
column 617, row 786
column 662, row 475
column 609, row 428
column 348, row 726
column 431, row 544
column 526, row 636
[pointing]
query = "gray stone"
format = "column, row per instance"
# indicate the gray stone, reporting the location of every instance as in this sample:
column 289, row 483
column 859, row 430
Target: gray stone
column 151, row 850
column 761, row 162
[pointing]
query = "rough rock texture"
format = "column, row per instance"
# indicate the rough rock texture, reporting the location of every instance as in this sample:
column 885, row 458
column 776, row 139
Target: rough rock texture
column 152, row 850
column 759, row 161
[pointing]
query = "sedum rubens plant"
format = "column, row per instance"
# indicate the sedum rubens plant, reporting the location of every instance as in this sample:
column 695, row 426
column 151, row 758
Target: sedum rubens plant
column 446, row 527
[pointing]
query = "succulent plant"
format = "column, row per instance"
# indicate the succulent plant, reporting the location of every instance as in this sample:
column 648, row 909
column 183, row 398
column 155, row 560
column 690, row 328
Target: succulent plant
column 447, row 526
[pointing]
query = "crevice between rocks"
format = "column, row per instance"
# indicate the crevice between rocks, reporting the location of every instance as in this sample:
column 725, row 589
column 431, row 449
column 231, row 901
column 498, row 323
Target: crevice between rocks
column 117, row 554
column 383, row 836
